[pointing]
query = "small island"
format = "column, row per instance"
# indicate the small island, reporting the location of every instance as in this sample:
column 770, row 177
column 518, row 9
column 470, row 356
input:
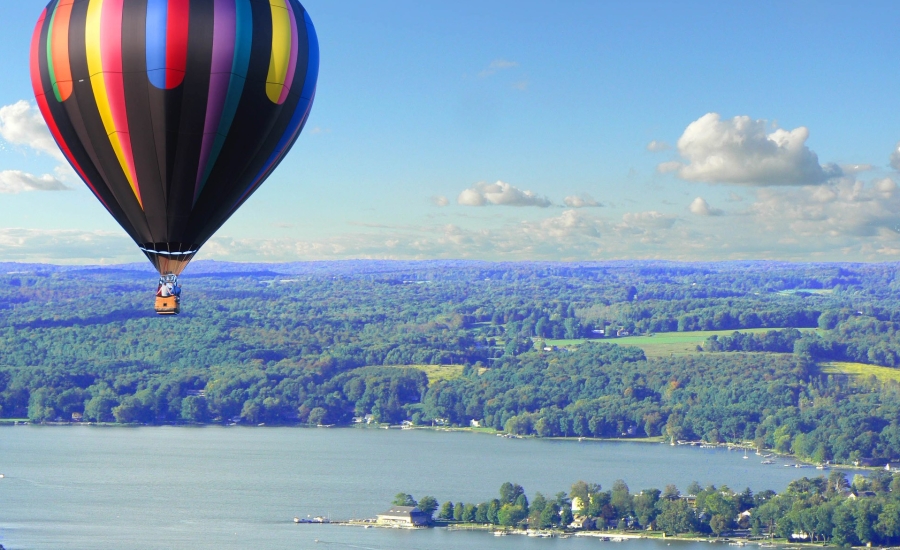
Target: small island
column 832, row 510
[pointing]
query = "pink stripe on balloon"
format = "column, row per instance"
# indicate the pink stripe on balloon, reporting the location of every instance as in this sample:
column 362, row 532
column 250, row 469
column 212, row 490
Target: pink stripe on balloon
column 224, row 29
column 292, row 66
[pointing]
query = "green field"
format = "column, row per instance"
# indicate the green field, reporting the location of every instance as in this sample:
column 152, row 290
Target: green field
column 435, row 372
column 861, row 369
column 664, row 344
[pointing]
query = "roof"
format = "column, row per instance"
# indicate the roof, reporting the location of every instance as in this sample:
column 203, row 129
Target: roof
column 402, row 511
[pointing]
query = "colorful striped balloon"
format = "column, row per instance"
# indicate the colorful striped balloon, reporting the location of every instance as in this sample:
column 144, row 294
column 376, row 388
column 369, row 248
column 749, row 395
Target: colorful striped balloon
column 174, row 111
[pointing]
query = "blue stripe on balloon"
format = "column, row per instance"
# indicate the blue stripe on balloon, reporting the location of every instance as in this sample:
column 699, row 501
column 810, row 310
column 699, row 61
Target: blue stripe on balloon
column 239, row 66
column 157, row 20
column 312, row 68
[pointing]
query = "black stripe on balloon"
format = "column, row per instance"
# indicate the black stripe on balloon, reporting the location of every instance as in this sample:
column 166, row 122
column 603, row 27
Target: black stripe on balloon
column 245, row 143
column 103, row 155
column 140, row 118
column 239, row 194
column 192, row 119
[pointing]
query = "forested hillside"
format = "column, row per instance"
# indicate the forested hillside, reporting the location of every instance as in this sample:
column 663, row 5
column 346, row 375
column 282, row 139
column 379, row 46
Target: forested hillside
column 320, row 343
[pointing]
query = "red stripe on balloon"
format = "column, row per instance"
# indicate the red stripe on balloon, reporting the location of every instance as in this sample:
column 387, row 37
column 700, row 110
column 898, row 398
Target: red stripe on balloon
column 177, row 41
column 41, row 98
column 111, row 46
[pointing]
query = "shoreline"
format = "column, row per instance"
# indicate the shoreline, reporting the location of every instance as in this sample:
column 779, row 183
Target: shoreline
column 803, row 462
column 605, row 536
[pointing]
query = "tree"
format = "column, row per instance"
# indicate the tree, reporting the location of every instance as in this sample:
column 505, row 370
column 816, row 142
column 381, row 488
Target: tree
column 675, row 516
column 403, row 499
column 511, row 515
column 549, row 516
column 194, row 409
column 718, row 524
column 446, row 512
column 99, row 408
column 645, row 508
column 509, row 492
column 458, row 511
column 428, row 505
column 620, row 499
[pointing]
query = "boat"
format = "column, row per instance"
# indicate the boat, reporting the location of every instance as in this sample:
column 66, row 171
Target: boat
column 499, row 533
column 767, row 462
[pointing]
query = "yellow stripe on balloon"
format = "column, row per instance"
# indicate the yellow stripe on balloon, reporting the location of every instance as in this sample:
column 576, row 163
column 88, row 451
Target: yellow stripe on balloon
column 281, row 50
column 93, row 45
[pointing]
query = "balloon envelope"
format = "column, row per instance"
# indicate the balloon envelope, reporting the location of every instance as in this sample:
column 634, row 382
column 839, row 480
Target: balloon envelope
column 173, row 112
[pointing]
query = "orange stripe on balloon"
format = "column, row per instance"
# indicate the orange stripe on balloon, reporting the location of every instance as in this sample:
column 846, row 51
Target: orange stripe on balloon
column 59, row 48
column 41, row 98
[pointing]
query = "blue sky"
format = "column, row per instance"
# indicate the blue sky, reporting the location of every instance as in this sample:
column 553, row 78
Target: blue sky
column 523, row 130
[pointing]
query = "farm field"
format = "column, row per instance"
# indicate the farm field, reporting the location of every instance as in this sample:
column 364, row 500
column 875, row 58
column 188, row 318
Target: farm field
column 883, row 374
column 435, row 372
column 665, row 344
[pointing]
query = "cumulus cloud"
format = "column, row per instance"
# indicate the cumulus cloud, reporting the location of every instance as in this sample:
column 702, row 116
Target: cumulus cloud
column 647, row 220
column 500, row 193
column 670, row 166
column 656, row 146
column 850, row 169
column 742, row 151
column 67, row 246
column 700, row 207
column 22, row 124
column 497, row 65
column 440, row 200
column 840, row 211
column 895, row 157
column 581, row 201
column 16, row 181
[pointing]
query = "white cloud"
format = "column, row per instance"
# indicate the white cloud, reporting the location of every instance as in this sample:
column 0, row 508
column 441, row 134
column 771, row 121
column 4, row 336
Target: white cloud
column 895, row 157
column 581, row 201
column 670, row 166
column 839, row 212
column 16, row 181
column 656, row 146
column 497, row 65
column 741, row 151
column 67, row 246
column 700, row 207
column 850, row 169
column 440, row 200
column 22, row 124
column 500, row 193
column 645, row 221
column 734, row 197
column 886, row 187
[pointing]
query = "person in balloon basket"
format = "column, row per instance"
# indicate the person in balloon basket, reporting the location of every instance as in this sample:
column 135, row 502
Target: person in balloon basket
column 168, row 289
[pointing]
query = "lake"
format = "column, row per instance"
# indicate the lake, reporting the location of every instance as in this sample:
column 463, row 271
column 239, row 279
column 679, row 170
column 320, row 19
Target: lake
column 222, row 488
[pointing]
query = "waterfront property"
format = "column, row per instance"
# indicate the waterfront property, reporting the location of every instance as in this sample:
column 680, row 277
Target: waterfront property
column 403, row 516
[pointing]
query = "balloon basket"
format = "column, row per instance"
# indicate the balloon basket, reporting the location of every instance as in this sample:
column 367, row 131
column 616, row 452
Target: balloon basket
column 170, row 305
column 168, row 295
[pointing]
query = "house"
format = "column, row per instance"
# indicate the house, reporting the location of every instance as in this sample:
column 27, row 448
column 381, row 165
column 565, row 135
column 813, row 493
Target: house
column 582, row 522
column 77, row 417
column 403, row 516
column 474, row 423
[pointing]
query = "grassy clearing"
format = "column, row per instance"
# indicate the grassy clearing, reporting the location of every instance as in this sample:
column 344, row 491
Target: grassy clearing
column 664, row 344
column 860, row 369
column 435, row 372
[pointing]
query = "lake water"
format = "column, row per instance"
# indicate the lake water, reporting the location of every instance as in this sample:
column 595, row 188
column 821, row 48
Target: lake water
column 101, row 488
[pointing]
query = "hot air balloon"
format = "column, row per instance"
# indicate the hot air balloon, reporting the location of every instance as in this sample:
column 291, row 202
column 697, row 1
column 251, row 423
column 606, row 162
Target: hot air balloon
column 174, row 112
